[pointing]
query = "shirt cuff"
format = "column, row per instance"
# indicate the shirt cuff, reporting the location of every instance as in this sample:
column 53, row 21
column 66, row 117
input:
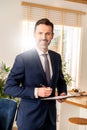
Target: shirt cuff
column 36, row 92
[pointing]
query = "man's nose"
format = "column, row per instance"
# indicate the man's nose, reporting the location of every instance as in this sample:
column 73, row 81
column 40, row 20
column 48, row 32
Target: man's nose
column 44, row 36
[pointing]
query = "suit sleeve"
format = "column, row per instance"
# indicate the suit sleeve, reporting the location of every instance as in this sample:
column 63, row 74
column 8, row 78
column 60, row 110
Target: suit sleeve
column 15, row 85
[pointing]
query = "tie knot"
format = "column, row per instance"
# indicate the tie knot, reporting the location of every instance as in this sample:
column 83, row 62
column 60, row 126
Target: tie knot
column 44, row 55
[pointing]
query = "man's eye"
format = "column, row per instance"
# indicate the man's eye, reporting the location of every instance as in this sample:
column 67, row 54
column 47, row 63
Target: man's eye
column 48, row 33
column 40, row 33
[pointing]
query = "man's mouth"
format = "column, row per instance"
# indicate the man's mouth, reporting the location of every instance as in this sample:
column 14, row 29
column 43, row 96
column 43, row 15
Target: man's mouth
column 44, row 40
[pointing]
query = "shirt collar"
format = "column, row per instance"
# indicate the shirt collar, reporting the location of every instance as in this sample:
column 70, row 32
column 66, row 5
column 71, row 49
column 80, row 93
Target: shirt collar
column 40, row 52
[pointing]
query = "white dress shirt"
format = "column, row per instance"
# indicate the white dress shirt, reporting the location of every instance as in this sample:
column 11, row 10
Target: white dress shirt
column 40, row 53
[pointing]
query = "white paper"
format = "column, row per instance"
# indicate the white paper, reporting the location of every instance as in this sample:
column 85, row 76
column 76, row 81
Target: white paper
column 60, row 97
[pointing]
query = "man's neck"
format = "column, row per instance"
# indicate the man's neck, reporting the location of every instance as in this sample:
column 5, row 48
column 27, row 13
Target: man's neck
column 42, row 50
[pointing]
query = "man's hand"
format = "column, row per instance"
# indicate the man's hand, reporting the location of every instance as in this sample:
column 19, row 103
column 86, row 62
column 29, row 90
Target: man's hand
column 62, row 100
column 44, row 91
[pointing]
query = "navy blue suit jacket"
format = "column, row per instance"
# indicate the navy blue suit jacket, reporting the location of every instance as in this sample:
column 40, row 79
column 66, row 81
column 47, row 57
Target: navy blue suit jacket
column 27, row 74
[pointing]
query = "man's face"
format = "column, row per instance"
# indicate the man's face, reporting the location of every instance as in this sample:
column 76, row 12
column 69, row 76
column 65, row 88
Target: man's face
column 43, row 35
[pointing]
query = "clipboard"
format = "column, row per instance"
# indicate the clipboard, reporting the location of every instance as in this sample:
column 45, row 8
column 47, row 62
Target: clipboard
column 61, row 97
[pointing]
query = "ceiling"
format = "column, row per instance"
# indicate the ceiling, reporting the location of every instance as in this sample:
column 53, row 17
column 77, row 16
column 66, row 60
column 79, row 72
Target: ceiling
column 78, row 1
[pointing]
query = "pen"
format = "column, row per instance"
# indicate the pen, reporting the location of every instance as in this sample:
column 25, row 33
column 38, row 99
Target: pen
column 41, row 85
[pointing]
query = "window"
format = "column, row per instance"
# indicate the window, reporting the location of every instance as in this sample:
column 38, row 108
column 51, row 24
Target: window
column 68, row 45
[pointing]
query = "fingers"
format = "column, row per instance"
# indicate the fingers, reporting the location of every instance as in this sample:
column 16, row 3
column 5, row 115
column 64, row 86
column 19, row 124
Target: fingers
column 44, row 91
column 62, row 100
column 63, row 94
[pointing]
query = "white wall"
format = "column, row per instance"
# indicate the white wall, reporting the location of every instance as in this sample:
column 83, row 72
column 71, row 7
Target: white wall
column 10, row 30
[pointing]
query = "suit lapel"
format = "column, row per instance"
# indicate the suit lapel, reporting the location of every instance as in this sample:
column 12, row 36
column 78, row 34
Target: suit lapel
column 53, row 63
column 38, row 64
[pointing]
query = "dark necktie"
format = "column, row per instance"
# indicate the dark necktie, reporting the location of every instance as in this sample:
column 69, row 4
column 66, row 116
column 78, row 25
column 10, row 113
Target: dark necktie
column 47, row 68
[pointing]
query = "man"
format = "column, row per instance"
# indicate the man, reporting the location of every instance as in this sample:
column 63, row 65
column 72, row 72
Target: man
column 28, row 81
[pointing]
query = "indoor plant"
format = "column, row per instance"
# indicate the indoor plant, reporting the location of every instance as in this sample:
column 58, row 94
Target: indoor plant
column 67, row 76
column 4, row 70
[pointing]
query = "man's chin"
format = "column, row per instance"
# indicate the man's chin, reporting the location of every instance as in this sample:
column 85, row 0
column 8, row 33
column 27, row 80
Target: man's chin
column 44, row 48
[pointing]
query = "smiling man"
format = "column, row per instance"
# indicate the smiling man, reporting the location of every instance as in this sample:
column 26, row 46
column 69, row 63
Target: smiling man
column 35, row 75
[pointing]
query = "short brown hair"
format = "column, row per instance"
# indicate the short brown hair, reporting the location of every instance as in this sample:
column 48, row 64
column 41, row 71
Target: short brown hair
column 44, row 21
